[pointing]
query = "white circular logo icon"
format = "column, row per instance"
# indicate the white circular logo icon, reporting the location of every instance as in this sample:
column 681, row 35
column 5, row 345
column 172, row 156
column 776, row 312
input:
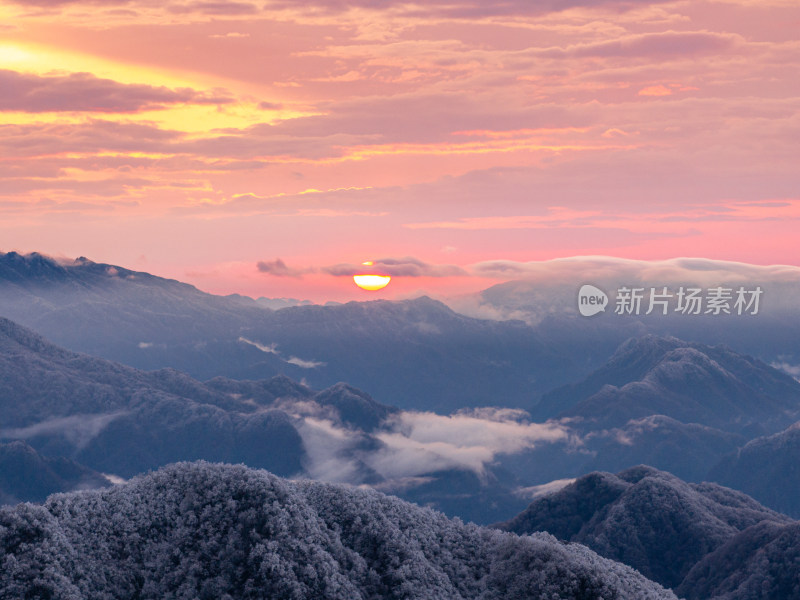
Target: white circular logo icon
column 591, row 300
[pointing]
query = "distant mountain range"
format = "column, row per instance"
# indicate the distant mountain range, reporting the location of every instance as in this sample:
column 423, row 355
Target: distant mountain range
column 687, row 381
column 544, row 294
column 116, row 419
column 684, row 407
column 73, row 422
column 767, row 468
column 412, row 354
column 80, row 416
column 678, row 406
column 702, row 540
column 25, row 475
column 121, row 421
column 205, row 531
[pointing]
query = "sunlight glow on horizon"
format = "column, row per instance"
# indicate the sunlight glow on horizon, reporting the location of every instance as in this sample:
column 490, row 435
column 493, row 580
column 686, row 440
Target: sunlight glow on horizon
column 203, row 135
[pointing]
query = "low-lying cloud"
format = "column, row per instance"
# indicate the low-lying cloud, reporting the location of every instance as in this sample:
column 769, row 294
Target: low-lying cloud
column 292, row 360
column 544, row 489
column 534, row 290
column 422, row 442
column 330, row 451
column 411, row 445
column 683, row 270
column 266, row 348
column 304, row 364
column 78, row 430
column 788, row 368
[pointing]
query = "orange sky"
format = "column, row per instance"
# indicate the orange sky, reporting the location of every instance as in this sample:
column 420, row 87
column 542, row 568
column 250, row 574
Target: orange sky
column 201, row 139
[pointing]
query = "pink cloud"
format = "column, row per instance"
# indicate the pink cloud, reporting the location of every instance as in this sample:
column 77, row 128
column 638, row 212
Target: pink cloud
column 651, row 45
column 400, row 130
column 460, row 9
column 106, row 187
column 655, row 90
column 469, row 9
column 59, row 3
column 425, row 117
column 83, row 92
column 215, row 8
column 42, row 139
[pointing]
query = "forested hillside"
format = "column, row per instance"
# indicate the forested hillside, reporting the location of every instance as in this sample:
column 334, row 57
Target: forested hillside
column 227, row 532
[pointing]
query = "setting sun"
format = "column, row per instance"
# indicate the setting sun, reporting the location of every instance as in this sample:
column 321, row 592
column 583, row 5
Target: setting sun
column 372, row 282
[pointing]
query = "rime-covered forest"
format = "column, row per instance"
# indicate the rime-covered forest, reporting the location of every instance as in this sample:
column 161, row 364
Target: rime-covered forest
column 198, row 530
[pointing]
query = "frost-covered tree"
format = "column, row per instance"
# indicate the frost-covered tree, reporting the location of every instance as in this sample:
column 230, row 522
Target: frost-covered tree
column 197, row 530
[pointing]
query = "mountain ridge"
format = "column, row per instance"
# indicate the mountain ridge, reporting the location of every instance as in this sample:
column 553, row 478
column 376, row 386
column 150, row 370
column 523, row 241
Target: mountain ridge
column 687, row 381
column 415, row 353
column 213, row 531
column 765, row 468
column 646, row 518
column 122, row 421
column 25, row 475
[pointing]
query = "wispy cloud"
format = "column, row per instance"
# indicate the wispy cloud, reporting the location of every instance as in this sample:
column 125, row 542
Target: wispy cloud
column 557, row 216
column 396, row 267
column 545, row 489
column 654, row 222
column 329, row 451
column 305, row 364
column 84, row 92
column 215, row 8
column 292, row 360
column 471, row 9
column 788, row 368
column 278, row 268
column 651, row 45
column 514, row 130
column 267, row 349
column 78, row 430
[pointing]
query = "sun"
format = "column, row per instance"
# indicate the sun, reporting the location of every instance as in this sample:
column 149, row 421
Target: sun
column 372, row 282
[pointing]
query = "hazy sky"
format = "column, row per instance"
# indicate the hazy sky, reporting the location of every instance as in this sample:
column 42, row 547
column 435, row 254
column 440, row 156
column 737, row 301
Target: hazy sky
column 266, row 147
